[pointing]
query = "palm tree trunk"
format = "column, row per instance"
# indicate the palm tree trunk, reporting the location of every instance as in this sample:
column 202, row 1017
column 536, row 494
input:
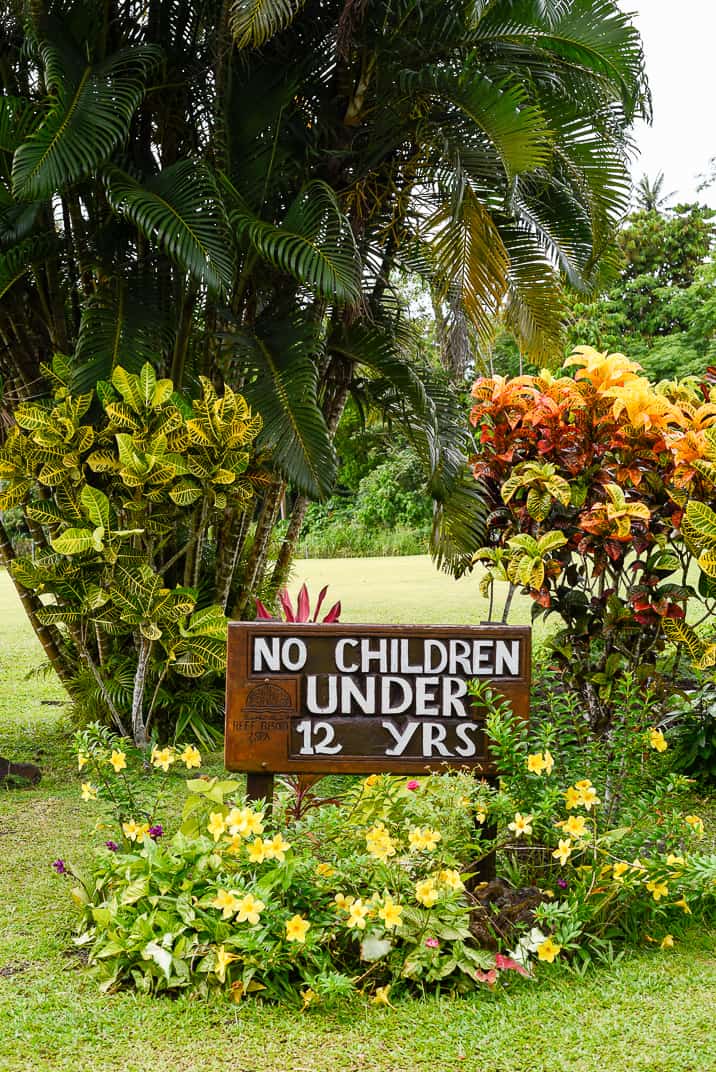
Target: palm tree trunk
column 256, row 564
column 31, row 603
column 139, row 729
column 231, row 540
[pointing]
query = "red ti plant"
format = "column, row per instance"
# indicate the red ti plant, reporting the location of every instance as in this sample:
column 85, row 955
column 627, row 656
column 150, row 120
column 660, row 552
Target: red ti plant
column 302, row 613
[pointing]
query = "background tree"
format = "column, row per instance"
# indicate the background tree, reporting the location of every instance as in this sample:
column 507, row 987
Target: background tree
column 227, row 189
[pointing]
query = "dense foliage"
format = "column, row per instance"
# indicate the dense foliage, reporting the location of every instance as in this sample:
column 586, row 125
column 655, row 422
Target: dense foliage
column 228, row 189
column 601, row 486
column 123, row 491
column 378, row 890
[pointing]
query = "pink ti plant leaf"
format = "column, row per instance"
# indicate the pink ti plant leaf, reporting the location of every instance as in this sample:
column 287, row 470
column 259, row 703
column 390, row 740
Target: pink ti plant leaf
column 303, row 610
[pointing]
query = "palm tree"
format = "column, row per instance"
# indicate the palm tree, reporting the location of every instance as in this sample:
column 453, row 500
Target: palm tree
column 229, row 188
column 650, row 196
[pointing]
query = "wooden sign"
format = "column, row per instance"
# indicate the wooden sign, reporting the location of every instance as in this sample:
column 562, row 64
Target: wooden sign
column 362, row 699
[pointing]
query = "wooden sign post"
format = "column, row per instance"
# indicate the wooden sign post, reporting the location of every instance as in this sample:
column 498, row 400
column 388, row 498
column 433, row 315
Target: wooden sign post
column 364, row 699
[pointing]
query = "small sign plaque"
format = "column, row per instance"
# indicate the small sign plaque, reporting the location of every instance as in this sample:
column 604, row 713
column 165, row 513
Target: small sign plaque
column 359, row 699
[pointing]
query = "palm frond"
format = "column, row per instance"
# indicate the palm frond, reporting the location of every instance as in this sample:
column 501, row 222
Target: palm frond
column 89, row 115
column 253, row 22
column 181, row 211
column 16, row 261
column 314, row 244
column 282, row 379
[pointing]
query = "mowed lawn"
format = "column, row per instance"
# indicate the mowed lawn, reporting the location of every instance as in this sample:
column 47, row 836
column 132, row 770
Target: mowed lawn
column 653, row 1011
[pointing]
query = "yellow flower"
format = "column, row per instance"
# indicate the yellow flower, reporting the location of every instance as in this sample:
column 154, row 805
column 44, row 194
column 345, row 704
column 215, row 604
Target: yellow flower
column 344, row 902
column 426, row 892
column 573, row 798
column 521, row 824
column 575, row 826
column 696, row 824
column 424, row 840
column 535, row 763
column 163, row 757
column 657, row 740
column 82, row 760
column 657, row 889
column 297, row 928
column 190, row 757
column 89, row 792
column 390, row 913
column 451, row 879
column 563, row 851
column 548, row 762
column 216, row 826
column 370, row 781
column 325, row 870
column 249, row 908
column 588, row 797
column 257, row 851
column 582, row 784
column 223, row 959
column 667, row 942
column 480, row 815
column 681, row 903
column 226, row 901
column 118, row 761
column 674, row 861
column 619, row 870
column 309, row 996
column 135, row 831
column 276, row 848
column 357, row 913
column 245, row 821
column 548, row 950
column 379, row 842
column 234, row 844
column 381, row 996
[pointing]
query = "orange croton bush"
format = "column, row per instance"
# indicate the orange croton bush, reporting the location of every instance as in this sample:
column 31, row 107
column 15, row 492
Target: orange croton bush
column 601, row 484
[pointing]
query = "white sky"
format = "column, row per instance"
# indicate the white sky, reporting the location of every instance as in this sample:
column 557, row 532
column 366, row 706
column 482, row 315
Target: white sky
column 679, row 45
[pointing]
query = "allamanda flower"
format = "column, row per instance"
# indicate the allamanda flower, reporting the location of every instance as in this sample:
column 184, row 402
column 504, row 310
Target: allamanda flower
column 657, row 889
column 357, row 913
column 521, row 824
column 118, row 761
column 426, row 892
column 548, row 950
column 190, row 757
column 563, row 850
column 297, row 928
column 227, row 902
column 657, row 740
column 249, row 909
column 390, row 913
column 89, row 792
column 163, row 757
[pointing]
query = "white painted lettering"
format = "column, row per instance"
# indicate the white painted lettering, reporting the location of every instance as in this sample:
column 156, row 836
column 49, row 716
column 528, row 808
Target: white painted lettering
column 265, row 657
column 425, row 695
column 464, row 732
column 378, row 654
column 341, row 663
column 507, row 657
column 298, row 661
column 454, row 688
column 482, row 652
column 397, row 708
column 351, row 691
column 434, row 733
column 331, row 704
column 405, row 667
column 401, row 738
column 460, row 656
column 434, row 647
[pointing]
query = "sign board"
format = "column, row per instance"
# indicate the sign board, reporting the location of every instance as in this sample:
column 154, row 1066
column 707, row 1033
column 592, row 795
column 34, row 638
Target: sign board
column 362, row 699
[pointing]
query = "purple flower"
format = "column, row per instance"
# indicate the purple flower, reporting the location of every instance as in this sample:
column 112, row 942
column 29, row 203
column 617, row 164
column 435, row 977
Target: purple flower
column 59, row 866
column 432, row 943
column 156, row 831
column 562, row 883
column 112, row 846
column 412, row 784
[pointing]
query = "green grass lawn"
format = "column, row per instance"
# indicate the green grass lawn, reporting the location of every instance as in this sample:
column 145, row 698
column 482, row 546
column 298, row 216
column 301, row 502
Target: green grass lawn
column 651, row 1012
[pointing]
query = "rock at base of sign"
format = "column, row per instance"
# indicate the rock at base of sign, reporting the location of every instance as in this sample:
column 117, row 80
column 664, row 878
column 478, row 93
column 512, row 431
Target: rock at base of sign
column 500, row 911
column 18, row 775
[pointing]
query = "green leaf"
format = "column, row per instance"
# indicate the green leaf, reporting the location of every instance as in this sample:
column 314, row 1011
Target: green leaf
column 253, row 22
column 180, row 211
column 17, row 261
column 74, row 542
column 96, row 506
column 90, row 114
column 314, row 244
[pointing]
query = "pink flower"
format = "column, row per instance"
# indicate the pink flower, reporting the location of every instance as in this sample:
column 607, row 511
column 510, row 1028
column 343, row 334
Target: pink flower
column 412, row 784
column 432, row 943
column 508, row 964
column 488, row 977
